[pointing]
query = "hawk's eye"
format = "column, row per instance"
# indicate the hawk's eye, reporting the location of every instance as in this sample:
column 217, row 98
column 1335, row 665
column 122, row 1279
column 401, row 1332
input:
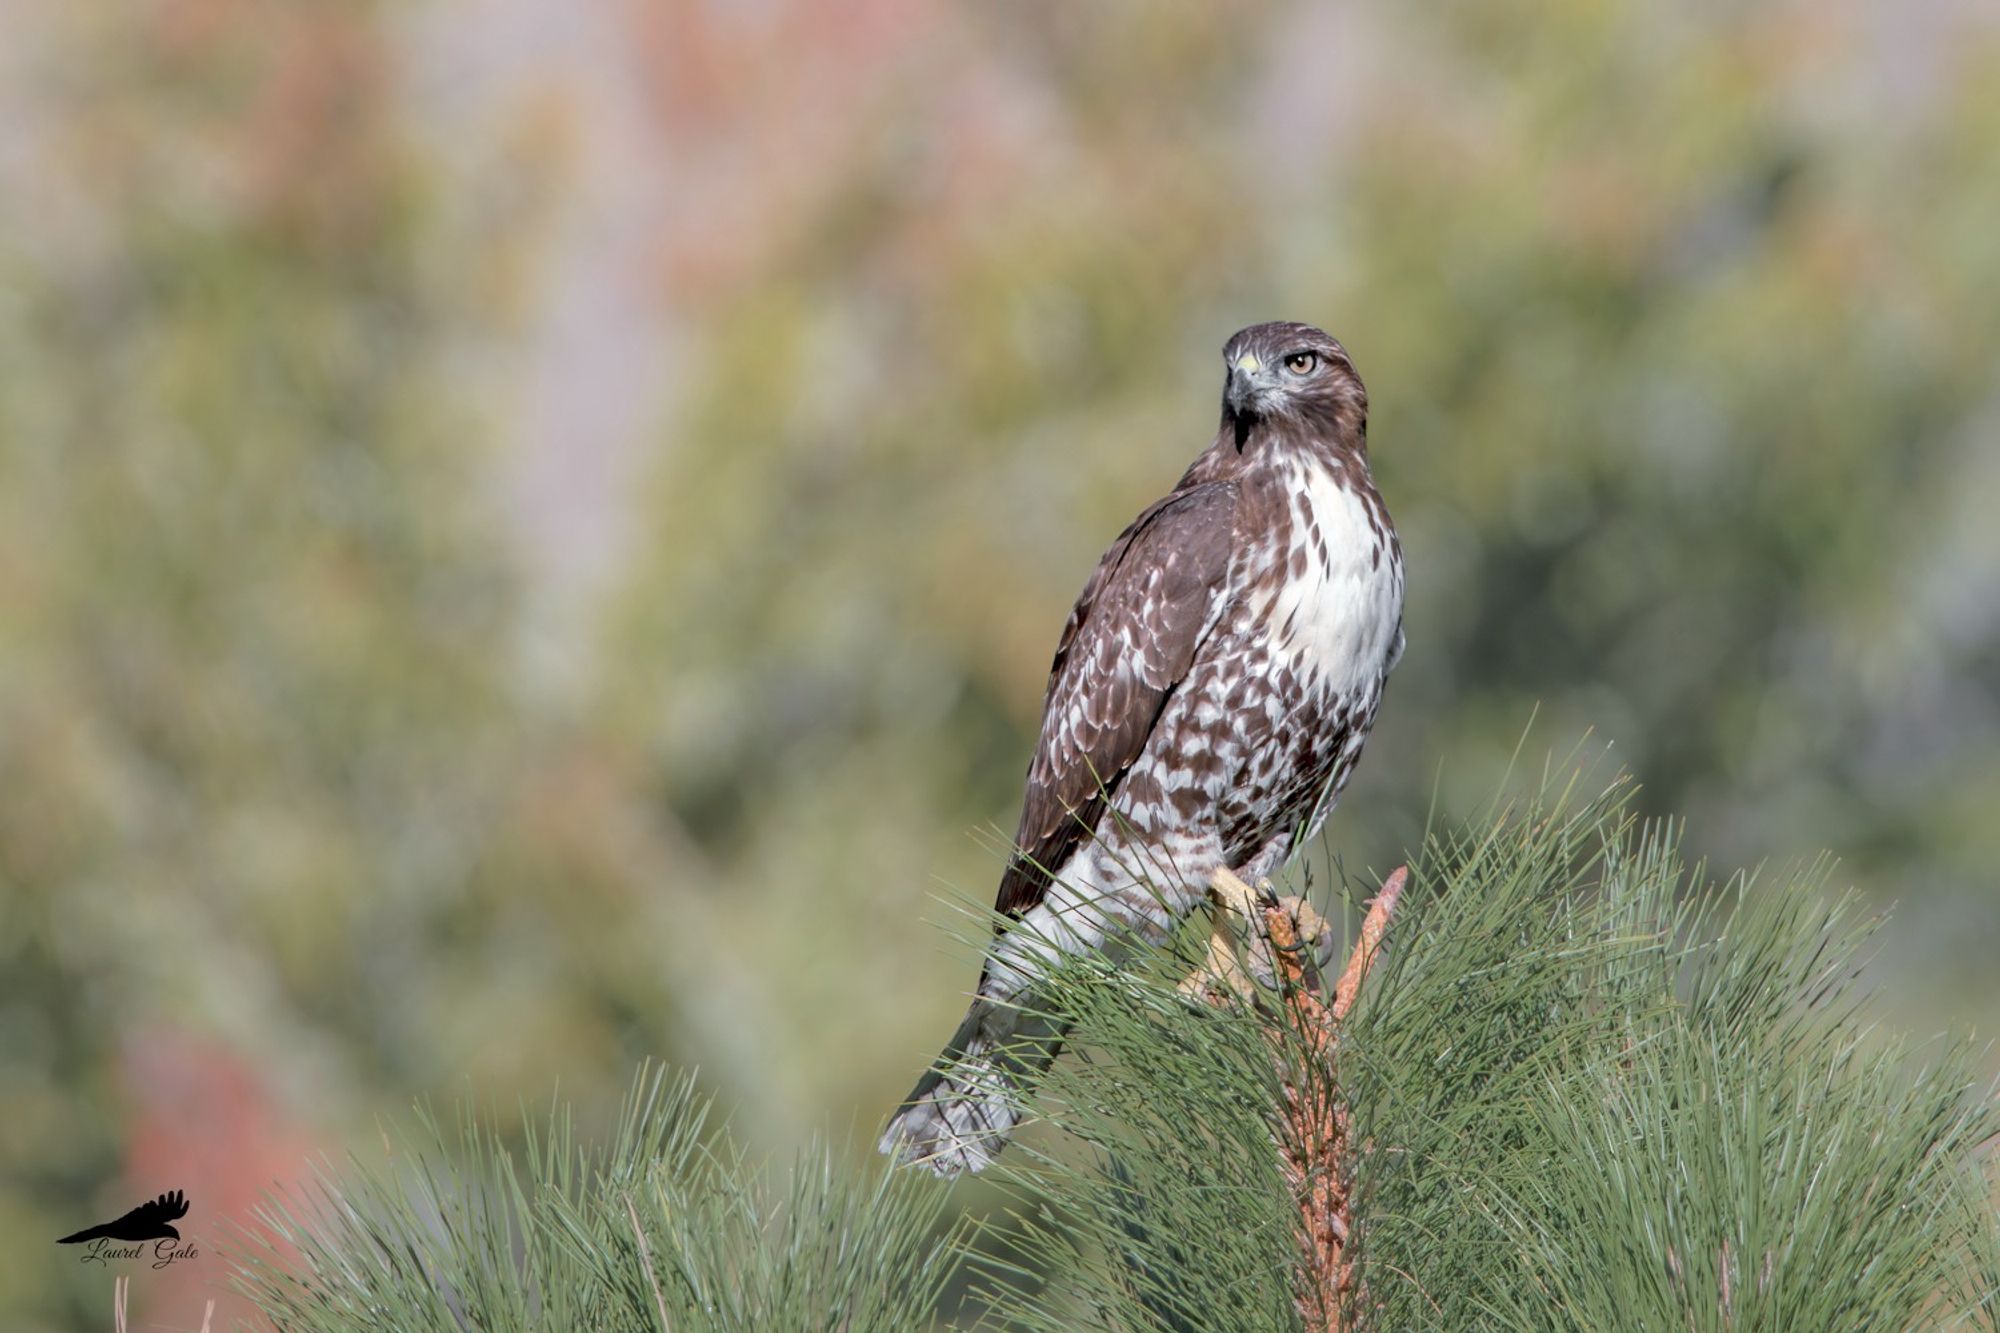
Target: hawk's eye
column 1302, row 363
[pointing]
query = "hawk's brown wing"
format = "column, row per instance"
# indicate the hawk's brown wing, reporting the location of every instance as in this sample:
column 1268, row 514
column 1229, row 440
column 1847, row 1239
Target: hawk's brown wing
column 1128, row 643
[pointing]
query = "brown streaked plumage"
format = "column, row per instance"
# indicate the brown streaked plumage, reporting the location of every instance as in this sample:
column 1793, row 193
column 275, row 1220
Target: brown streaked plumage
column 1209, row 698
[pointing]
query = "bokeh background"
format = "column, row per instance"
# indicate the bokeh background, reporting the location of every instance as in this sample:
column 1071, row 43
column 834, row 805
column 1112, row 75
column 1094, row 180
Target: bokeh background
column 531, row 533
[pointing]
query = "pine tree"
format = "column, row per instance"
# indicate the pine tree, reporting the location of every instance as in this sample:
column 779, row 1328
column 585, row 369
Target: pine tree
column 1582, row 1087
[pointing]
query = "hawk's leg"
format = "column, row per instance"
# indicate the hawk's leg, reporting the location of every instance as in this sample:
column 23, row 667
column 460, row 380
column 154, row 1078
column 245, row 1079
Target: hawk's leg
column 1232, row 899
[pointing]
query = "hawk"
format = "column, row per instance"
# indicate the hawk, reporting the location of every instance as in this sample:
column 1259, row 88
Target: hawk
column 1209, row 698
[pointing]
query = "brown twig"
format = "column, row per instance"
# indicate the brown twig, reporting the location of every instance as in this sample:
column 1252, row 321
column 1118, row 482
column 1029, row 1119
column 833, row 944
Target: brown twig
column 1373, row 928
column 1312, row 1133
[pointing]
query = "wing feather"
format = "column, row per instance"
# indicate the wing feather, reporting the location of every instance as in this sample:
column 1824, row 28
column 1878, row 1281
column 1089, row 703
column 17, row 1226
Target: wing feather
column 1128, row 643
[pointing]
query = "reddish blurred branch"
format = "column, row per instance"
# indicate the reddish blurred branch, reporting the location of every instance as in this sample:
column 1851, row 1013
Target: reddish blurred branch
column 1312, row 1132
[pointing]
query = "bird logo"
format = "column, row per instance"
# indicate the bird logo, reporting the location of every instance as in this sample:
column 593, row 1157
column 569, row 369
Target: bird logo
column 152, row 1220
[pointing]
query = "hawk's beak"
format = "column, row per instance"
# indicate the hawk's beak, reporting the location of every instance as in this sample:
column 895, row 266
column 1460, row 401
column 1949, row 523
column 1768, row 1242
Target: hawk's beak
column 1249, row 382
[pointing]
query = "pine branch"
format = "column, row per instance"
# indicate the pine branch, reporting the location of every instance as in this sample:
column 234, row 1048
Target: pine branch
column 1582, row 1091
column 1312, row 1131
column 671, row 1227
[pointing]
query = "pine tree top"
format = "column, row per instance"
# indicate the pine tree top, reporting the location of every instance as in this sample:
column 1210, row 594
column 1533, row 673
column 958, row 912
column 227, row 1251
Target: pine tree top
column 1583, row 1087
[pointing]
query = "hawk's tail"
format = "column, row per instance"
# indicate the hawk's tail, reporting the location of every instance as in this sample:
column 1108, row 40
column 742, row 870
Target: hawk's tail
column 964, row 1109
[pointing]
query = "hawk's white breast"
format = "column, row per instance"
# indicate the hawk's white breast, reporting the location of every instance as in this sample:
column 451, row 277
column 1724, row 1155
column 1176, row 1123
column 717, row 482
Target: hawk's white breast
column 1336, row 624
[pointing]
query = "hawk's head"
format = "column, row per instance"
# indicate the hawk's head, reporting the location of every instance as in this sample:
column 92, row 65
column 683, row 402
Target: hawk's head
column 1291, row 373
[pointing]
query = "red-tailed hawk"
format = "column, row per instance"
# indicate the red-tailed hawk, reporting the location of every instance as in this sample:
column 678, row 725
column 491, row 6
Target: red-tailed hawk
column 1209, row 698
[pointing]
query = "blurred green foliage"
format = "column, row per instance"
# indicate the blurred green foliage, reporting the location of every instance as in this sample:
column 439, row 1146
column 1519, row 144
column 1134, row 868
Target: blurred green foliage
column 1680, row 326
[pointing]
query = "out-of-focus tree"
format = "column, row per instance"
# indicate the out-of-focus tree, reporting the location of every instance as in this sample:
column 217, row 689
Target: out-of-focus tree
column 1680, row 329
column 257, row 736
